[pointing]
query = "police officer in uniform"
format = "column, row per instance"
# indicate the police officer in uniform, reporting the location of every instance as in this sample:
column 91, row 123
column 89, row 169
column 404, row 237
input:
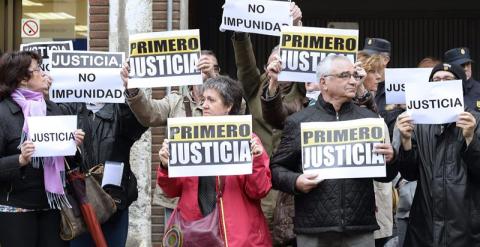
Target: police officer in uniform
column 471, row 87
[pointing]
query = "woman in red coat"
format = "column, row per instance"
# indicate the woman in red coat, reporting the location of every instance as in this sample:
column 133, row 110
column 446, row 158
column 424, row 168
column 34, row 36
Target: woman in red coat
column 241, row 221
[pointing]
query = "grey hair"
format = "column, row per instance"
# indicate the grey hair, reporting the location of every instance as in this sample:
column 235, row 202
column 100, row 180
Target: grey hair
column 228, row 89
column 325, row 66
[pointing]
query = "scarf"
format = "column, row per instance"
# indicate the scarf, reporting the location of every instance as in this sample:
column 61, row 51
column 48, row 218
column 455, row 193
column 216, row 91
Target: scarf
column 33, row 104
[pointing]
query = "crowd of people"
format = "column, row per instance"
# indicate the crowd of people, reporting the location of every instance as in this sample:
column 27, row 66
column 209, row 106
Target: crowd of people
column 430, row 195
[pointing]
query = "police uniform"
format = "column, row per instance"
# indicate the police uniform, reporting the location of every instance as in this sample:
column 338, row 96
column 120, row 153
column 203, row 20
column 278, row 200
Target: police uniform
column 471, row 90
column 374, row 46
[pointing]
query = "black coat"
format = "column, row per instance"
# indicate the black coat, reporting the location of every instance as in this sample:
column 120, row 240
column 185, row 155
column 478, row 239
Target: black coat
column 471, row 94
column 19, row 186
column 446, row 206
column 109, row 136
column 340, row 205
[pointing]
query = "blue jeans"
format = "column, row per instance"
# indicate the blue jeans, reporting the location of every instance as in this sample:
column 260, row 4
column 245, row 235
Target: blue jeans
column 115, row 231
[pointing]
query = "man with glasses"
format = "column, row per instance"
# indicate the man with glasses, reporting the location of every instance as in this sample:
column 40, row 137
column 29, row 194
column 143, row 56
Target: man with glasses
column 471, row 87
column 333, row 212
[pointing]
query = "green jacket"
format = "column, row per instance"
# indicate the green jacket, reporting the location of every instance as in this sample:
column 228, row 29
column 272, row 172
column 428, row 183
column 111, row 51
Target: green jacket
column 253, row 82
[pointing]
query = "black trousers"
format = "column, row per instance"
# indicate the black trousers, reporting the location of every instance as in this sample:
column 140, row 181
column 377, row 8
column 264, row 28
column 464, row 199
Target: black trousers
column 31, row 229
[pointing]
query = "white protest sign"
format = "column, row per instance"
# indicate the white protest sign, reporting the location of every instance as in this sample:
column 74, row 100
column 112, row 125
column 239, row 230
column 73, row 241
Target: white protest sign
column 395, row 80
column 302, row 48
column 343, row 149
column 112, row 173
column 53, row 135
column 434, row 102
column 44, row 49
column 164, row 59
column 86, row 76
column 209, row 146
column 256, row 16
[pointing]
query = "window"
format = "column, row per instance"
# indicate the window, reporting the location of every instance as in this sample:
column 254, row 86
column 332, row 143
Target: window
column 59, row 20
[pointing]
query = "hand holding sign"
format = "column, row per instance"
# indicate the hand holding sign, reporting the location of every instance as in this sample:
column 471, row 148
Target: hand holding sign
column 273, row 69
column 296, row 14
column 467, row 123
column 164, row 154
column 257, row 149
column 124, row 75
column 306, row 182
column 385, row 149
column 206, row 65
column 79, row 136
column 405, row 125
column 27, row 149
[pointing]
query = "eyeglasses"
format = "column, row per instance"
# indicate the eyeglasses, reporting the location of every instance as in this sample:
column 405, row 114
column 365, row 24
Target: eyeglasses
column 37, row 69
column 347, row 75
column 446, row 78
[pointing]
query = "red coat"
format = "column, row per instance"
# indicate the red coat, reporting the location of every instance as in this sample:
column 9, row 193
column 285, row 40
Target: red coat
column 244, row 220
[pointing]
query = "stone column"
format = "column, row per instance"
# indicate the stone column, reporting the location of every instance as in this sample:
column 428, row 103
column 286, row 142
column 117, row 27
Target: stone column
column 130, row 17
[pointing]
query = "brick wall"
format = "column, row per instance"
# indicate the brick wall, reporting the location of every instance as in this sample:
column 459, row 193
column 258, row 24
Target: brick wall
column 159, row 16
column 98, row 25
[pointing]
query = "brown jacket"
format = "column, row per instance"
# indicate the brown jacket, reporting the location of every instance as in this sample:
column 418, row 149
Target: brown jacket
column 154, row 113
column 253, row 82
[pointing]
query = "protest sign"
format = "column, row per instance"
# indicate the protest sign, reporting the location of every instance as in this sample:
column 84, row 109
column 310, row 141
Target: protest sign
column 53, row 135
column 302, row 48
column 343, row 149
column 86, row 76
column 209, row 146
column 44, row 49
column 395, row 80
column 434, row 102
column 164, row 59
column 256, row 16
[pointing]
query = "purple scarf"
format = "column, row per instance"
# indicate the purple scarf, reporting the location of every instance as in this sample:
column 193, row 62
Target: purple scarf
column 33, row 104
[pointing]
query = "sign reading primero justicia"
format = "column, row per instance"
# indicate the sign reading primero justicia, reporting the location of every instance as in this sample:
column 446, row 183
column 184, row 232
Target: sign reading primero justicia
column 210, row 146
column 343, row 149
column 164, row 59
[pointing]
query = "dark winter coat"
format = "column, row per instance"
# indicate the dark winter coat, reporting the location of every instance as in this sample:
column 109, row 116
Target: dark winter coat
column 340, row 205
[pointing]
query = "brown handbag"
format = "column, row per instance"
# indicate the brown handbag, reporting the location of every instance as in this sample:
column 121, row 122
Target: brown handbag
column 282, row 232
column 72, row 223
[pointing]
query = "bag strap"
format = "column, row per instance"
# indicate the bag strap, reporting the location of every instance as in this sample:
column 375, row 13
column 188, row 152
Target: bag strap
column 220, row 186
column 188, row 108
column 87, row 142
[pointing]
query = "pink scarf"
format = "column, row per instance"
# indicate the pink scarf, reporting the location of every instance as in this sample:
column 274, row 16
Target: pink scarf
column 33, row 104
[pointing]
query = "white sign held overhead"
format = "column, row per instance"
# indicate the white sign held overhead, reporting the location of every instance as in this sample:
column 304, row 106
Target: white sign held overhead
column 86, row 76
column 302, row 48
column 164, row 59
column 256, row 16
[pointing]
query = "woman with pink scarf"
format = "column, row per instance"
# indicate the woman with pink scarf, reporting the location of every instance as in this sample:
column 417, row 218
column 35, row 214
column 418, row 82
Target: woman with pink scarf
column 31, row 189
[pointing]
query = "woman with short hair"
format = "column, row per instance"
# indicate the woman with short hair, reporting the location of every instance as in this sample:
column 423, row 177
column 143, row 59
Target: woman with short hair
column 241, row 219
